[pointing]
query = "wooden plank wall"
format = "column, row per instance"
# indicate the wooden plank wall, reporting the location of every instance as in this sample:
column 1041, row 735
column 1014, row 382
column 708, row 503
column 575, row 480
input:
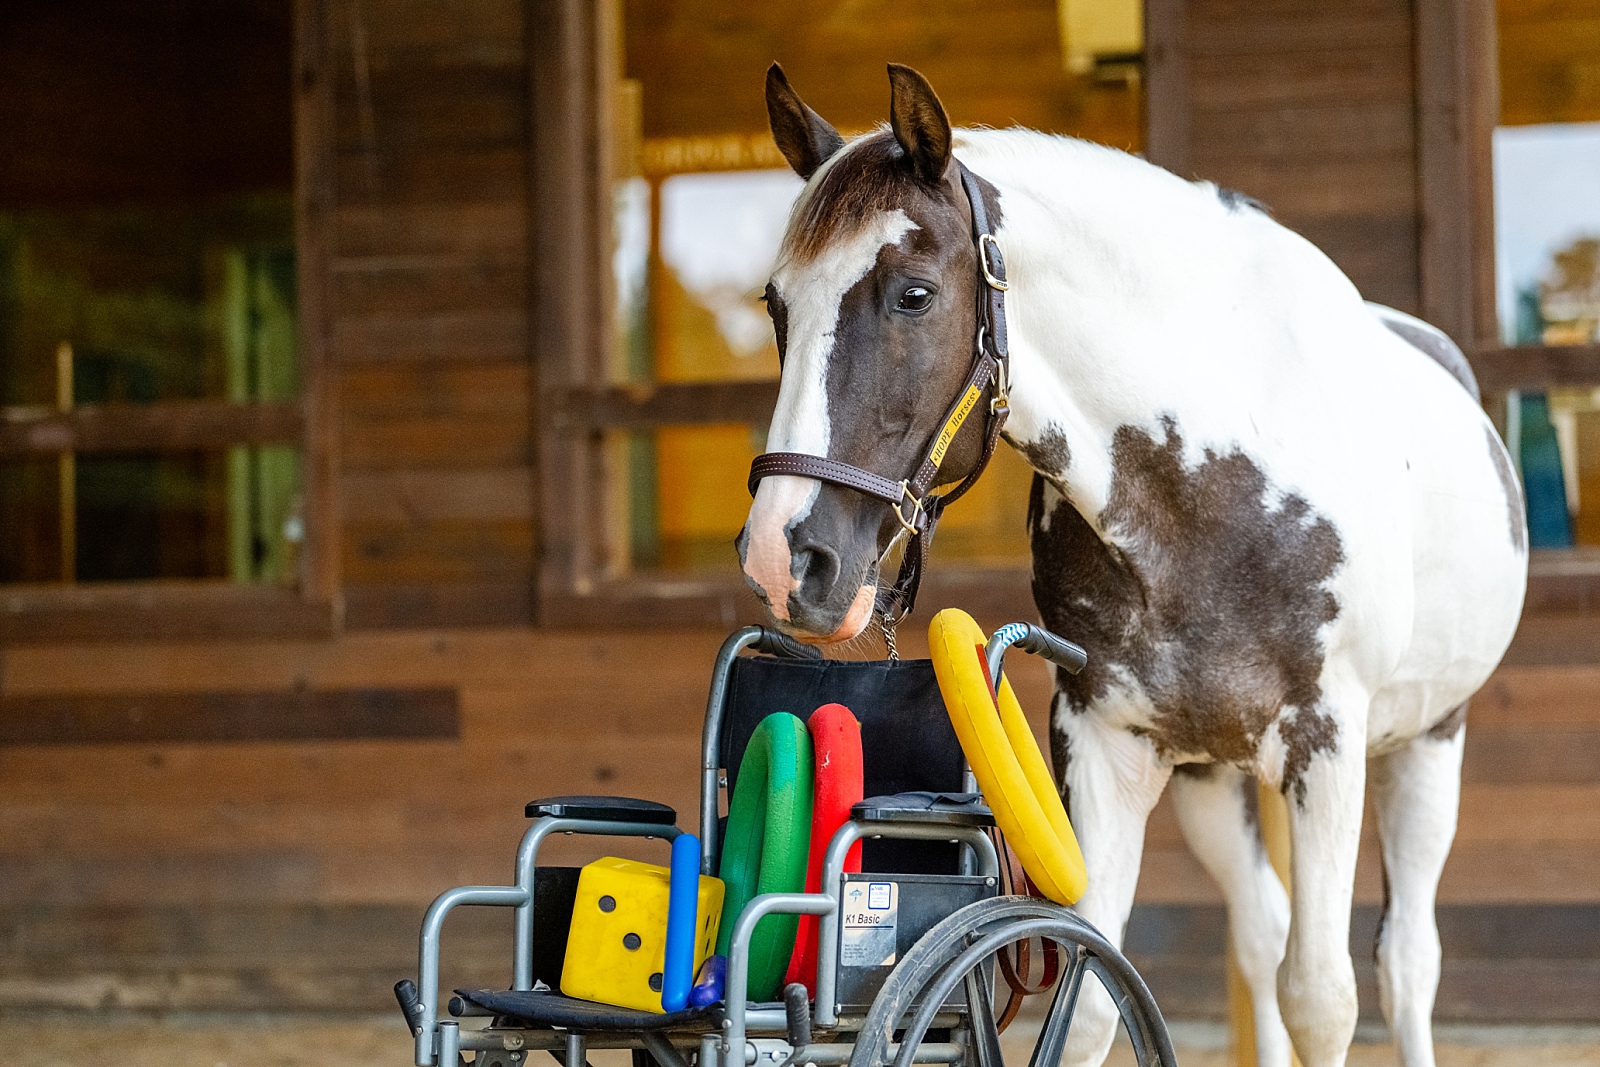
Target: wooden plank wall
column 1549, row 61
column 1308, row 106
column 428, row 300
column 701, row 65
column 156, row 859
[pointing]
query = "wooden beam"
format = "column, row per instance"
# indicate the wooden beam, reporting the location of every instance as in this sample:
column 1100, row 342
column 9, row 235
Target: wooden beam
column 152, row 611
column 1536, row 367
column 1169, row 98
column 186, row 718
column 315, row 207
column 173, row 426
column 678, row 404
column 1456, row 78
column 572, row 61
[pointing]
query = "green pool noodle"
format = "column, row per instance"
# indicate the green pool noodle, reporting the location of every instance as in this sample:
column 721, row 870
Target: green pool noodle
column 767, row 843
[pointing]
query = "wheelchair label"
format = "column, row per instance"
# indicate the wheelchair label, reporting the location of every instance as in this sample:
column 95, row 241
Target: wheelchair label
column 870, row 910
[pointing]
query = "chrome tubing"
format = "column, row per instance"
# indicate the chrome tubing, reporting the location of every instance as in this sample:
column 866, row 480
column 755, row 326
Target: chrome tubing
column 744, row 928
column 430, row 1031
column 711, row 742
column 987, row 864
column 527, row 854
column 761, row 639
column 431, row 1034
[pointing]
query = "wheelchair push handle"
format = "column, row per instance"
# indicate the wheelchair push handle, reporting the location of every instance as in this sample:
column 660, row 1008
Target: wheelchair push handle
column 776, row 643
column 1036, row 640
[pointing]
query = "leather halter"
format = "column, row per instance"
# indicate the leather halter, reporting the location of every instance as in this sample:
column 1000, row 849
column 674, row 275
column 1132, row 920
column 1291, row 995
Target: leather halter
column 913, row 502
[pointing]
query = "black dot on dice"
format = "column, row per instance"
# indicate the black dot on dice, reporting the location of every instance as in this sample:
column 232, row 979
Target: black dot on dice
column 608, row 903
column 631, row 942
column 655, row 982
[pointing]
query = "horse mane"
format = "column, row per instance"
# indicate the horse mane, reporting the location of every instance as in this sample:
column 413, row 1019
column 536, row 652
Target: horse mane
column 869, row 176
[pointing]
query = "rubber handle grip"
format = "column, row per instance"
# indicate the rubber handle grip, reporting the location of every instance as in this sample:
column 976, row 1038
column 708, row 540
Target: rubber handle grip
column 776, row 643
column 1058, row 650
column 405, row 991
column 797, row 1014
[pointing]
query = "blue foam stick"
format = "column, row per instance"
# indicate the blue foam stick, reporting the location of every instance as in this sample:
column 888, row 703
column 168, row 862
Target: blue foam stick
column 677, row 976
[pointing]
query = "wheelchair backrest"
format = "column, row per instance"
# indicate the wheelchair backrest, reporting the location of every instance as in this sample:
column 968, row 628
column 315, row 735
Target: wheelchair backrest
column 907, row 742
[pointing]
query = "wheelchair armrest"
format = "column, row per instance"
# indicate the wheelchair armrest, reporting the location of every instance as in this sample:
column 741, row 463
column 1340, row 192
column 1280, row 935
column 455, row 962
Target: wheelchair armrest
column 605, row 809
column 939, row 809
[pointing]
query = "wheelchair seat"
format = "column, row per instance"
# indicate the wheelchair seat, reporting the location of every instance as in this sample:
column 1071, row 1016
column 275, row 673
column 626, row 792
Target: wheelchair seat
column 541, row 1008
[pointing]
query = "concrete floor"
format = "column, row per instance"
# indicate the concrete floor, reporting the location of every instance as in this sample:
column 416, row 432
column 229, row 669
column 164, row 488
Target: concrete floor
column 367, row 1042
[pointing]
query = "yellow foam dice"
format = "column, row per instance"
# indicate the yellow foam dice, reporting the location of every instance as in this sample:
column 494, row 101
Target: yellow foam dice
column 617, row 944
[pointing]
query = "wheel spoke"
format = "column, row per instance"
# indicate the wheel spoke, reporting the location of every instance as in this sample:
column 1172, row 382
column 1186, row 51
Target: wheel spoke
column 980, row 1007
column 1053, row 1037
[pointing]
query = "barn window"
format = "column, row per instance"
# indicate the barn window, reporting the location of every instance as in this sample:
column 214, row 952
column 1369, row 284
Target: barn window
column 153, row 373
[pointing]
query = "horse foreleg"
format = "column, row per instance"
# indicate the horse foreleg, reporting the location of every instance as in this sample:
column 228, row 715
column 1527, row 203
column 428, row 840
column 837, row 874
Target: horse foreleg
column 1218, row 811
column 1113, row 778
column 1324, row 773
column 1416, row 790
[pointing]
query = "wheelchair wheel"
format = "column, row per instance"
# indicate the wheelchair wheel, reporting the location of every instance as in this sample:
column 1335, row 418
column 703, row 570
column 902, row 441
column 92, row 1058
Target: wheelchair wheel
column 957, row 952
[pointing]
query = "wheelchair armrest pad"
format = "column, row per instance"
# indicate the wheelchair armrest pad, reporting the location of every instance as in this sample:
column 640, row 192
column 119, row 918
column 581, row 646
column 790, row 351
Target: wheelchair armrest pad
column 944, row 809
column 613, row 809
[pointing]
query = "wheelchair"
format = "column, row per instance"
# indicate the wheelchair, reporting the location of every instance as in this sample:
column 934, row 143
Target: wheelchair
column 921, row 990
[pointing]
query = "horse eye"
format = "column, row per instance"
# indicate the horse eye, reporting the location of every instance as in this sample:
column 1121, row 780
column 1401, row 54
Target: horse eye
column 916, row 300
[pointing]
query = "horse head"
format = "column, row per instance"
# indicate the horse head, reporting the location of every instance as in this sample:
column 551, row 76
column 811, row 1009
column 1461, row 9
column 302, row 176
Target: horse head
column 875, row 304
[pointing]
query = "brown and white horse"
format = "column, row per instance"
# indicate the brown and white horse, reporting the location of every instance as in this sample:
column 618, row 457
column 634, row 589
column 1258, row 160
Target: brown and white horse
column 1289, row 539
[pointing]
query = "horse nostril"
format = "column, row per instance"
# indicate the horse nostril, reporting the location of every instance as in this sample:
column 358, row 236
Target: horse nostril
column 818, row 571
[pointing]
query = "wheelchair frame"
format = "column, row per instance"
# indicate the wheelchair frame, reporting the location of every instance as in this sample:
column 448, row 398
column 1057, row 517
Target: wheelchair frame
column 769, row 1034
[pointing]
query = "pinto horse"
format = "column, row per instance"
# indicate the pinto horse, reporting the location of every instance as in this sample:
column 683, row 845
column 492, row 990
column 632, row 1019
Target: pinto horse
column 1275, row 516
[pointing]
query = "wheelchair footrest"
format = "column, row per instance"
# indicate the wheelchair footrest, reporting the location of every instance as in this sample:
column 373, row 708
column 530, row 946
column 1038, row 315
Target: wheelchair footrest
column 539, row 1008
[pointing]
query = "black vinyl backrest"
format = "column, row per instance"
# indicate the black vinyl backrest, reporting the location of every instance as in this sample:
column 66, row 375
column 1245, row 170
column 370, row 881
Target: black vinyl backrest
column 907, row 742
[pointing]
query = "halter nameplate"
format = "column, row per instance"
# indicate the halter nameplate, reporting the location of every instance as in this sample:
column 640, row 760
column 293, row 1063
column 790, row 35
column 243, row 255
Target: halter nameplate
column 952, row 425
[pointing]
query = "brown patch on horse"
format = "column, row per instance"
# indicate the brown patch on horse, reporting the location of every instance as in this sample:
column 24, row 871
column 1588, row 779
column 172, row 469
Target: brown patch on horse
column 1250, row 795
column 1517, row 514
column 1214, row 608
column 1305, row 734
column 1048, row 453
column 1447, row 728
column 1060, row 760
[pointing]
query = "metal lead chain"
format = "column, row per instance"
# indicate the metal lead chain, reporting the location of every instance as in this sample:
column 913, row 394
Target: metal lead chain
column 888, row 638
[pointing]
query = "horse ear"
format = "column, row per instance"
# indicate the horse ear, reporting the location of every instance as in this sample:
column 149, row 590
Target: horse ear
column 804, row 137
column 919, row 123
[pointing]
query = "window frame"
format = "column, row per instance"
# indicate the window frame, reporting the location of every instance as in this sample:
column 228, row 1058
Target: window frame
column 179, row 608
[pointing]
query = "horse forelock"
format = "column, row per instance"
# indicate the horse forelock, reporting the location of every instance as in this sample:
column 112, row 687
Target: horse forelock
column 867, row 178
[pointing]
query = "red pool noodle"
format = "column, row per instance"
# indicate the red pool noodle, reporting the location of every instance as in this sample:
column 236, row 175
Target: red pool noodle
column 836, row 741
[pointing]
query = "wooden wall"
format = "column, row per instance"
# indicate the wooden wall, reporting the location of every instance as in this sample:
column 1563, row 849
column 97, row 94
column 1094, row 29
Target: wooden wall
column 428, row 306
column 178, row 100
column 1549, row 61
column 701, row 64
column 251, row 874
column 1310, row 108
column 1362, row 124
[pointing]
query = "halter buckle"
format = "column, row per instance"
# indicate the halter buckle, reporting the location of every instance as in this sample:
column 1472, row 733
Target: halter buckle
column 986, row 241
column 1002, row 389
column 911, row 524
